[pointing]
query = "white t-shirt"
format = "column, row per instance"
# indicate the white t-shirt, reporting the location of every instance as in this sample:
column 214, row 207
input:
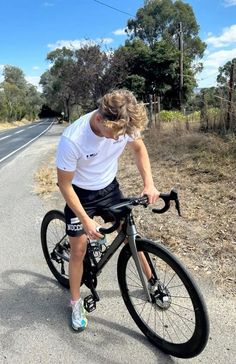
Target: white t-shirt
column 94, row 159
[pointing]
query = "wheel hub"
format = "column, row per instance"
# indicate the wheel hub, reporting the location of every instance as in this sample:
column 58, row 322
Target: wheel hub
column 161, row 297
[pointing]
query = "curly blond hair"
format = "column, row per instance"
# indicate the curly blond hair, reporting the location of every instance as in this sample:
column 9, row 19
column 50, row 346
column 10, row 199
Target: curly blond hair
column 122, row 112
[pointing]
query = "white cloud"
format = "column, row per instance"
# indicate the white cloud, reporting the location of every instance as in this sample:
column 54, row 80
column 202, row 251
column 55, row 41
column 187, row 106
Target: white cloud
column 79, row 43
column 119, row 32
column 35, row 68
column 34, row 81
column 230, row 3
column 212, row 61
column 1, row 70
column 219, row 58
column 227, row 38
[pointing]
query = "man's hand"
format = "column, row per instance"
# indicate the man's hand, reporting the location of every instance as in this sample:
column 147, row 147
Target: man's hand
column 90, row 227
column 152, row 193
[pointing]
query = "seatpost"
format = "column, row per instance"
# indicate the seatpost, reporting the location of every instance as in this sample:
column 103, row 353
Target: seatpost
column 131, row 233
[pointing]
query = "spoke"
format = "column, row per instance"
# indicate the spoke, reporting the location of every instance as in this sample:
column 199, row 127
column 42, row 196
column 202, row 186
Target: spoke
column 166, row 285
column 134, row 286
column 139, row 297
column 163, row 324
column 134, row 273
column 137, row 284
column 149, row 314
column 175, row 322
column 177, row 286
column 185, row 308
column 186, row 297
column 170, row 321
column 165, row 275
column 141, row 303
column 184, row 319
column 181, row 317
column 56, row 237
column 143, row 308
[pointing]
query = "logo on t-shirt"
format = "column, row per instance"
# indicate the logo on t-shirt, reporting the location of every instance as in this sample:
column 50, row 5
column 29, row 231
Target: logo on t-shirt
column 91, row 155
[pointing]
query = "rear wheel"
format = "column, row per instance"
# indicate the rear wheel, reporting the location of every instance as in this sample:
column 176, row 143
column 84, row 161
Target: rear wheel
column 55, row 245
column 176, row 320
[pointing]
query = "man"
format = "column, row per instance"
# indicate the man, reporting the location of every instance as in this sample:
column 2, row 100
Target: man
column 87, row 160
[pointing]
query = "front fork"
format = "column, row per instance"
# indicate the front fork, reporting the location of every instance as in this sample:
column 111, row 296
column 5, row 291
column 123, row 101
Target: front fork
column 132, row 233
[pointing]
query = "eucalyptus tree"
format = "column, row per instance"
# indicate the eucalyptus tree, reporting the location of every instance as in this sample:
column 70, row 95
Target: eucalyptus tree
column 75, row 78
column 14, row 87
column 89, row 82
column 223, row 78
column 56, row 82
column 18, row 97
column 157, row 27
column 227, row 85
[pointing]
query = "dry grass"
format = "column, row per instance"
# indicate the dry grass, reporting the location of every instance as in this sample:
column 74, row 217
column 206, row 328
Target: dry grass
column 5, row 125
column 45, row 181
column 203, row 168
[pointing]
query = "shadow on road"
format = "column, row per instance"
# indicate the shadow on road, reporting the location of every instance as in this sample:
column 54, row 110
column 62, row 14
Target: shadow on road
column 31, row 300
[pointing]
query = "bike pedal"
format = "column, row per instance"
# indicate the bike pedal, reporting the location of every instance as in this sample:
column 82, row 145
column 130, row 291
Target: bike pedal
column 89, row 303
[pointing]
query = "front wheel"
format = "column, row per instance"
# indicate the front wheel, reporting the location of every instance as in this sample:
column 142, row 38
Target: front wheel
column 176, row 319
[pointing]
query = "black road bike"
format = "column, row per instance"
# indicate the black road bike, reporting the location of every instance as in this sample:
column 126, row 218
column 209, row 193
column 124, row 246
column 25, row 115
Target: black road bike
column 174, row 316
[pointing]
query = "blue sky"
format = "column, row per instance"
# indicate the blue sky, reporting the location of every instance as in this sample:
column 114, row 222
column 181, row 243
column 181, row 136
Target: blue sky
column 29, row 29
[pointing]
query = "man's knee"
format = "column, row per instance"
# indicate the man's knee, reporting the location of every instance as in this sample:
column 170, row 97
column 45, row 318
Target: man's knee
column 78, row 246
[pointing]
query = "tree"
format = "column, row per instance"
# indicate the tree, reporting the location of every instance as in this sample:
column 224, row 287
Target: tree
column 227, row 82
column 14, row 75
column 156, row 26
column 58, row 79
column 223, row 77
column 3, row 105
column 77, row 77
column 136, row 84
column 18, row 98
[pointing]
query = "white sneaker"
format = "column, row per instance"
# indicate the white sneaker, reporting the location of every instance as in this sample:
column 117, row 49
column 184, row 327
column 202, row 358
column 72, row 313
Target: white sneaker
column 78, row 318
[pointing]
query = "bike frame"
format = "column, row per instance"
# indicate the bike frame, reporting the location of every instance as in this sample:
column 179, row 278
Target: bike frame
column 128, row 230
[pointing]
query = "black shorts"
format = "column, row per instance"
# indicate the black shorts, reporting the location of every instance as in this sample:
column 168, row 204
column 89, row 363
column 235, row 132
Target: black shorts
column 95, row 203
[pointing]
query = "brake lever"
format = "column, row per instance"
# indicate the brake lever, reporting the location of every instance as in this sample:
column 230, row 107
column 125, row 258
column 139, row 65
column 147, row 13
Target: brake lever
column 167, row 197
column 177, row 206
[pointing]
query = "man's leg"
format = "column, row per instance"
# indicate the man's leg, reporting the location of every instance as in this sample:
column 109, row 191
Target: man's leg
column 145, row 266
column 78, row 246
column 143, row 261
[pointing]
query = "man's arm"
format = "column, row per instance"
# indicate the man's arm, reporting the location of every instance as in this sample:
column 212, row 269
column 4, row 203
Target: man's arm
column 73, row 201
column 143, row 164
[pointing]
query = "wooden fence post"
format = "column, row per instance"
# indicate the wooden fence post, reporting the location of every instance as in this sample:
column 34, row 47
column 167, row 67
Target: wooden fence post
column 230, row 101
column 150, row 111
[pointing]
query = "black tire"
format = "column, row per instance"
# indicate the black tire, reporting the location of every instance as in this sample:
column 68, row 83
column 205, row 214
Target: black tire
column 55, row 243
column 177, row 324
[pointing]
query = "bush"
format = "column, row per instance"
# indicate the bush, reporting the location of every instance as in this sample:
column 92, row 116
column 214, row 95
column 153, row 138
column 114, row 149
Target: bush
column 170, row 116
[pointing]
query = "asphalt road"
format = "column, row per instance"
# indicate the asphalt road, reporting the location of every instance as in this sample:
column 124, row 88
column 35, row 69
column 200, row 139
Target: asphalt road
column 15, row 139
column 34, row 312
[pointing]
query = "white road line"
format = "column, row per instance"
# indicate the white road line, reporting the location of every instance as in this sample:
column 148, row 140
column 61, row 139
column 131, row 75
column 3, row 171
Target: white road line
column 7, row 136
column 19, row 131
column 33, row 126
column 30, row 141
